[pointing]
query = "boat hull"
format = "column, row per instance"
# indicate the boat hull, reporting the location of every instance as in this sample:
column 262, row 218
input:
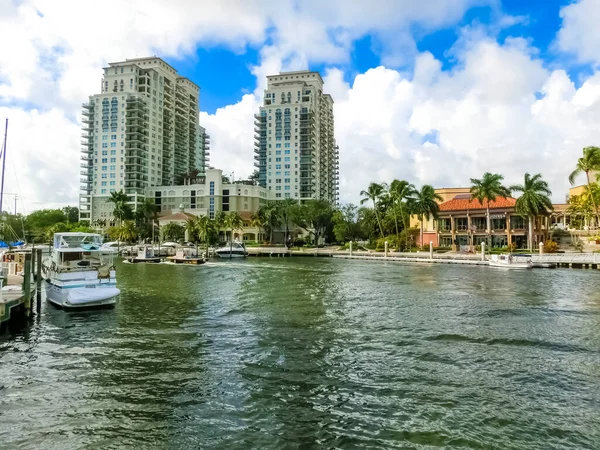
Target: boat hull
column 229, row 255
column 81, row 297
column 512, row 266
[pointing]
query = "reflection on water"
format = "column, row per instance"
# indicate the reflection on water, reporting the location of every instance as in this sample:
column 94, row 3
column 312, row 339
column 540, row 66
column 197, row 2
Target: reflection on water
column 313, row 353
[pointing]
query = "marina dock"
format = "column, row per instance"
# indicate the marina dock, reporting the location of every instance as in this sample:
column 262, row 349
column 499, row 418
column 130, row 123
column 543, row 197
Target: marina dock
column 21, row 285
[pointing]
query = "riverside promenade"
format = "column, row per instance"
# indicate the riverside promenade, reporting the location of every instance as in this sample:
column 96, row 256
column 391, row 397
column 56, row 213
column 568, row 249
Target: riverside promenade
column 568, row 260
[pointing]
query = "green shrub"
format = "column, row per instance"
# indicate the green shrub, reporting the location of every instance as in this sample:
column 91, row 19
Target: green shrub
column 550, row 246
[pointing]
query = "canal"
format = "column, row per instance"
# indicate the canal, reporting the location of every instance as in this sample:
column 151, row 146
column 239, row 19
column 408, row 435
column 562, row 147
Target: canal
column 313, row 353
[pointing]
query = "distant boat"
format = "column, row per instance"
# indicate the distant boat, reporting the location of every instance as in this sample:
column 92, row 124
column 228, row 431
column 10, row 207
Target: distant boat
column 508, row 261
column 233, row 250
column 146, row 254
column 79, row 273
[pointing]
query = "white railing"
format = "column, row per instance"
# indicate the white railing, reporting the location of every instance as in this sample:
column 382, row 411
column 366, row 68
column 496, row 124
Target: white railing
column 566, row 258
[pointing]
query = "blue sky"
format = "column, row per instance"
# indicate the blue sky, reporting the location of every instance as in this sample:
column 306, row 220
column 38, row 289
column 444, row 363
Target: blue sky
column 430, row 91
column 225, row 74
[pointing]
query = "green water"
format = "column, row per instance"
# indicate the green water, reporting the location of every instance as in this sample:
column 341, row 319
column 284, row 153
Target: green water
column 313, row 353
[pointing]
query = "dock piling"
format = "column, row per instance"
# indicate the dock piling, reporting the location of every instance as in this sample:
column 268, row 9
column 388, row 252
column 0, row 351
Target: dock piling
column 38, row 278
column 27, row 283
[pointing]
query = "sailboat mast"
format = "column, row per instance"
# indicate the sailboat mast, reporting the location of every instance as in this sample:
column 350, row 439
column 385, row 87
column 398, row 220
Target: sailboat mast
column 3, row 165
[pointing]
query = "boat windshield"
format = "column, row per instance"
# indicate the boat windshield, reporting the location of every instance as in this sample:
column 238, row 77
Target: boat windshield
column 72, row 241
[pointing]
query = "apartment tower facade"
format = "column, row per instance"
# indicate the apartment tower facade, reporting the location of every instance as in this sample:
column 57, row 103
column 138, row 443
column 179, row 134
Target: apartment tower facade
column 295, row 149
column 141, row 130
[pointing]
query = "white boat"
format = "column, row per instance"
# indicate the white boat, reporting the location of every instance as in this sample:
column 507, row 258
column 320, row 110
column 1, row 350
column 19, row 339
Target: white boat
column 146, row 254
column 79, row 273
column 233, row 250
column 113, row 246
column 508, row 261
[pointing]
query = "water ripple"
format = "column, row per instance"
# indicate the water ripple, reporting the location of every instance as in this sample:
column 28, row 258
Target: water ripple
column 312, row 353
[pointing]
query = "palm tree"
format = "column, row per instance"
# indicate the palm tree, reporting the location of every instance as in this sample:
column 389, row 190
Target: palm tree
column 270, row 218
column 147, row 217
column 127, row 231
column 373, row 194
column 204, row 226
column 219, row 221
column 424, row 204
column 191, row 228
column 488, row 189
column 286, row 209
column 534, row 200
column 588, row 163
column 401, row 191
column 233, row 222
column 122, row 209
column 172, row 231
column 257, row 221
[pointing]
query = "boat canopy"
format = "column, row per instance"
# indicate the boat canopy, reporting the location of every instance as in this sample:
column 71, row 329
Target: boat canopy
column 77, row 242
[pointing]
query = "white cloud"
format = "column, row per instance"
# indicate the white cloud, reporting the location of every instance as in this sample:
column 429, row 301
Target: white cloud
column 485, row 116
column 428, row 126
column 580, row 34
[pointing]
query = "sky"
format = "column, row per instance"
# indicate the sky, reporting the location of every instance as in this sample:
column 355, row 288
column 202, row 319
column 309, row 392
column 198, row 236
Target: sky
column 430, row 91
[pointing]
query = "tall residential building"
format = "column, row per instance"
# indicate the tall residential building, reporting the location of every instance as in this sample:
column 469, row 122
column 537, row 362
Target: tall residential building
column 295, row 150
column 203, row 150
column 141, row 131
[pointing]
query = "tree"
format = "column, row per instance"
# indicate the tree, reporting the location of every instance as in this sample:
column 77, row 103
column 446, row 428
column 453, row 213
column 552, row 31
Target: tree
column 233, row 222
column 127, row 231
column 71, row 213
column 424, row 204
column 286, row 209
column 400, row 192
column 219, row 221
column 173, row 231
column 268, row 214
column 257, row 221
column 192, row 229
column 121, row 210
column 146, row 217
column 59, row 227
column 581, row 207
column 205, row 229
column 346, row 223
column 588, row 163
column 373, row 194
column 315, row 216
column 486, row 190
column 534, row 200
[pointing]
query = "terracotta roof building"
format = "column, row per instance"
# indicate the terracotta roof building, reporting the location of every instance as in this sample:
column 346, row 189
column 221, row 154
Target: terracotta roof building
column 463, row 224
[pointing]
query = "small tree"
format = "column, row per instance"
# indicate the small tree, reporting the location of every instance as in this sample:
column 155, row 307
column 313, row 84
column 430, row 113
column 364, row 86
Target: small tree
column 172, row 231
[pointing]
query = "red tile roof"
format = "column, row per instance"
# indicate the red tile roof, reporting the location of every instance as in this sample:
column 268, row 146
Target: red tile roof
column 463, row 204
column 179, row 216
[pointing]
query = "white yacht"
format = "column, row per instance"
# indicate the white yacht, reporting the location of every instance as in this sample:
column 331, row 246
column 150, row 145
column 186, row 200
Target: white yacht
column 510, row 262
column 233, row 250
column 79, row 273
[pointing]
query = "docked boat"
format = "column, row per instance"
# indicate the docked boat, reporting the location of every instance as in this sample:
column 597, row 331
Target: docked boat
column 510, row 262
column 145, row 254
column 186, row 256
column 79, row 273
column 233, row 250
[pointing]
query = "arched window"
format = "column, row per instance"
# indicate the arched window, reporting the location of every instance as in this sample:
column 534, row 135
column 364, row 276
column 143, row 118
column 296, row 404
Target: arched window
column 171, row 193
column 186, row 193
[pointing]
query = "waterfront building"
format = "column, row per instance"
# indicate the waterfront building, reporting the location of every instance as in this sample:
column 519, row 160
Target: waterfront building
column 295, row 149
column 140, row 131
column 462, row 223
column 206, row 196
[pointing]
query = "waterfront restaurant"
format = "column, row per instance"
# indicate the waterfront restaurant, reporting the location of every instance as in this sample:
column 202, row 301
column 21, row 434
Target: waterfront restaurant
column 462, row 224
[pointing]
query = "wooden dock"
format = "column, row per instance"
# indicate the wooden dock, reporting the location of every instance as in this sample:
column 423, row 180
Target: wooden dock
column 19, row 291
